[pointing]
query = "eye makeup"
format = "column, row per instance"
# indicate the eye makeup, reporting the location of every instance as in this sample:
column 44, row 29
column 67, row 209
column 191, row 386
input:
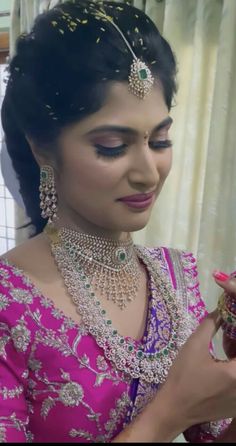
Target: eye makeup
column 161, row 144
column 110, row 152
column 115, row 152
column 114, row 141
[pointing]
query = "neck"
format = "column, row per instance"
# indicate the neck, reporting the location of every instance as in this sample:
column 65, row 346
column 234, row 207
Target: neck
column 91, row 229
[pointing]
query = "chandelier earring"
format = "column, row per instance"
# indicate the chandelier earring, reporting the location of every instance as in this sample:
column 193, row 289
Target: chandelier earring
column 47, row 194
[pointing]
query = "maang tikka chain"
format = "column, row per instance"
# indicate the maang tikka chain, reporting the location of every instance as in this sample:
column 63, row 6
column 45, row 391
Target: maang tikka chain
column 140, row 78
column 47, row 194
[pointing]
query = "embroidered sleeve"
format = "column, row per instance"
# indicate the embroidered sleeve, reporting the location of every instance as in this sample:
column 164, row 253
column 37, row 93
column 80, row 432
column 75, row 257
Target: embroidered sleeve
column 206, row 432
column 14, row 340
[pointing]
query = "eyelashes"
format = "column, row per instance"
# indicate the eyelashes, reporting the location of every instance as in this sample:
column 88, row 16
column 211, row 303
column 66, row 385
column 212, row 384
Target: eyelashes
column 110, row 152
column 115, row 152
column 158, row 145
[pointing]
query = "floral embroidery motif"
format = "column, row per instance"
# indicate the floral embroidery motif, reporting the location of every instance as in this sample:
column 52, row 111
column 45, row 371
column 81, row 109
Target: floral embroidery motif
column 87, row 436
column 3, row 342
column 71, row 394
column 101, row 363
column 4, row 274
column 117, row 413
column 4, row 302
column 15, row 422
column 11, row 393
column 64, row 373
column 20, row 336
column 21, row 296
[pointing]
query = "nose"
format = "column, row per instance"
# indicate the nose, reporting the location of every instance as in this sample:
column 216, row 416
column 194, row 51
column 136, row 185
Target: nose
column 143, row 172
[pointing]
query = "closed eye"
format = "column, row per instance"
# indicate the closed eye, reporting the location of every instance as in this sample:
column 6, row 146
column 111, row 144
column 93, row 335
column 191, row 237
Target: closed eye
column 158, row 145
column 116, row 151
column 111, row 152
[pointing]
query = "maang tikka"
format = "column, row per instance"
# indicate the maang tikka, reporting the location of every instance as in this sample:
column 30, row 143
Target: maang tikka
column 140, row 78
column 47, row 194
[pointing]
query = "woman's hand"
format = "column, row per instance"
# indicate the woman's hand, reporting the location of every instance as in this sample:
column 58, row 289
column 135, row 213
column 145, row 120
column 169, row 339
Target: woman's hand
column 199, row 388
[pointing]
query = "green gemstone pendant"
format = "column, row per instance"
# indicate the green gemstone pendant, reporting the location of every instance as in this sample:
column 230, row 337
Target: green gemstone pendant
column 143, row 74
column 121, row 255
column 141, row 80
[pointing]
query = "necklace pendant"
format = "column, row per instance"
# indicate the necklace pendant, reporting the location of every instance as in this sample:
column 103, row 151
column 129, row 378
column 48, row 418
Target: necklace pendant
column 121, row 256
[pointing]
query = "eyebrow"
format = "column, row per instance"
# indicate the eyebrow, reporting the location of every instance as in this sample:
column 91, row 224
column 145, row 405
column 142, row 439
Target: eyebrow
column 127, row 130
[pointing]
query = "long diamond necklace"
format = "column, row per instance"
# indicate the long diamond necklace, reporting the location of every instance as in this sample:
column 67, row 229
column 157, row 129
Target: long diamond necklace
column 123, row 352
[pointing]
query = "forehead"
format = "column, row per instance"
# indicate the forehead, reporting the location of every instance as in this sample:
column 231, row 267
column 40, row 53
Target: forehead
column 122, row 107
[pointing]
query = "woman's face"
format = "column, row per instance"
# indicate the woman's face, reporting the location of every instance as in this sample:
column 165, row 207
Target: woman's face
column 122, row 150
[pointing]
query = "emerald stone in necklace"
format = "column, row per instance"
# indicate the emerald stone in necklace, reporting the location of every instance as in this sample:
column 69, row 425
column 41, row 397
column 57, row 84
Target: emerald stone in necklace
column 121, row 255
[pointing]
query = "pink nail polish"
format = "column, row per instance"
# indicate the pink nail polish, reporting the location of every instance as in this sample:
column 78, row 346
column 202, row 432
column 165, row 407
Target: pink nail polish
column 219, row 275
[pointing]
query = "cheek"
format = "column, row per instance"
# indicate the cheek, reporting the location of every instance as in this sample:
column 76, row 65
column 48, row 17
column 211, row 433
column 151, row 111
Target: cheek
column 91, row 174
column 164, row 163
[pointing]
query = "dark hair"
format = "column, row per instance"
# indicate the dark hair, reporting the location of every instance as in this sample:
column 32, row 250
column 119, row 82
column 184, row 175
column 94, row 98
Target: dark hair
column 60, row 73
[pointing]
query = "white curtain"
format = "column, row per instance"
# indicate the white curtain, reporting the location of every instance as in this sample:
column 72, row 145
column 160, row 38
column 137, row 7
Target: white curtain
column 196, row 210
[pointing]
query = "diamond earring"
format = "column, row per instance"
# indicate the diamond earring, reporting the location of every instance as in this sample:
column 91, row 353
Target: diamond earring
column 47, row 194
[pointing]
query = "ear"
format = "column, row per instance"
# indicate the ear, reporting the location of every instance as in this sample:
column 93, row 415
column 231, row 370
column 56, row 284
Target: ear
column 38, row 153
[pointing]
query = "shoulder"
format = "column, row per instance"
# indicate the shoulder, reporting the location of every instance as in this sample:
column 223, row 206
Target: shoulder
column 18, row 268
column 33, row 258
column 24, row 254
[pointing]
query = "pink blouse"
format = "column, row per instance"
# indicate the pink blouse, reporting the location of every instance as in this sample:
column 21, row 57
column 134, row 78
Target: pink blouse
column 56, row 383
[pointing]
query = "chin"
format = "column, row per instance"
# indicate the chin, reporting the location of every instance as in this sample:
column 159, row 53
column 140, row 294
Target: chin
column 137, row 223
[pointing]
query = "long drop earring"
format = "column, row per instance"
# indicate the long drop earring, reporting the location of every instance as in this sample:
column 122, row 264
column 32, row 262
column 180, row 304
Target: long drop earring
column 47, row 194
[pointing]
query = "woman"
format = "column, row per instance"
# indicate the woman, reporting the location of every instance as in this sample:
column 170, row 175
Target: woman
column 91, row 325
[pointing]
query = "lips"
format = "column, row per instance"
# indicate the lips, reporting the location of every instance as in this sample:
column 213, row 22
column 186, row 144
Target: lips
column 137, row 198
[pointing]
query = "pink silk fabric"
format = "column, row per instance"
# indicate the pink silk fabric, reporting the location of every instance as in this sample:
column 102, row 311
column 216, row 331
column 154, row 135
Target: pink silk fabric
column 56, row 384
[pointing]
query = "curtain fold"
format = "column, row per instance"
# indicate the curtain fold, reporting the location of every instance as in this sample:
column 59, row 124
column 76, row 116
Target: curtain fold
column 196, row 208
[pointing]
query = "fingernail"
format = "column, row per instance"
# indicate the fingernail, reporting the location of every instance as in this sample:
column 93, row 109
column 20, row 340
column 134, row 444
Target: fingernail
column 219, row 275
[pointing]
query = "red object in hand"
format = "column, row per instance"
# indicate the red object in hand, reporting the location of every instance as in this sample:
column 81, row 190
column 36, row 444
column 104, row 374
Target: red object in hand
column 229, row 327
column 229, row 346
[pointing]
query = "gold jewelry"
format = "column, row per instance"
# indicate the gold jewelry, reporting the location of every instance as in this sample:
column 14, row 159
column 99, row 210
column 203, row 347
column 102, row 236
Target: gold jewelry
column 227, row 309
column 220, row 303
column 111, row 266
column 124, row 353
column 47, row 195
column 140, row 78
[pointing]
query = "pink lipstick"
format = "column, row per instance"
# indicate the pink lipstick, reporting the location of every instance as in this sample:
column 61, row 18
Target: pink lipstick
column 138, row 201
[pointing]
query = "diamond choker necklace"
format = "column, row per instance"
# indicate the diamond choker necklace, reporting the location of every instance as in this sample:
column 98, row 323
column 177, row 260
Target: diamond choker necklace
column 111, row 266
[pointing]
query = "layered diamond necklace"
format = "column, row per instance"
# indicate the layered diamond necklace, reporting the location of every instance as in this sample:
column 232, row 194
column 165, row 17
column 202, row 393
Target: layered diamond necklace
column 74, row 260
column 111, row 266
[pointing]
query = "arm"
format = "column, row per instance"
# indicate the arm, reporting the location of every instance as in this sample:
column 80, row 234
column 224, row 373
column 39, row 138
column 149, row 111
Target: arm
column 179, row 404
column 14, row 340
column 158, row 422
column 13, row 408
column 209, row 431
